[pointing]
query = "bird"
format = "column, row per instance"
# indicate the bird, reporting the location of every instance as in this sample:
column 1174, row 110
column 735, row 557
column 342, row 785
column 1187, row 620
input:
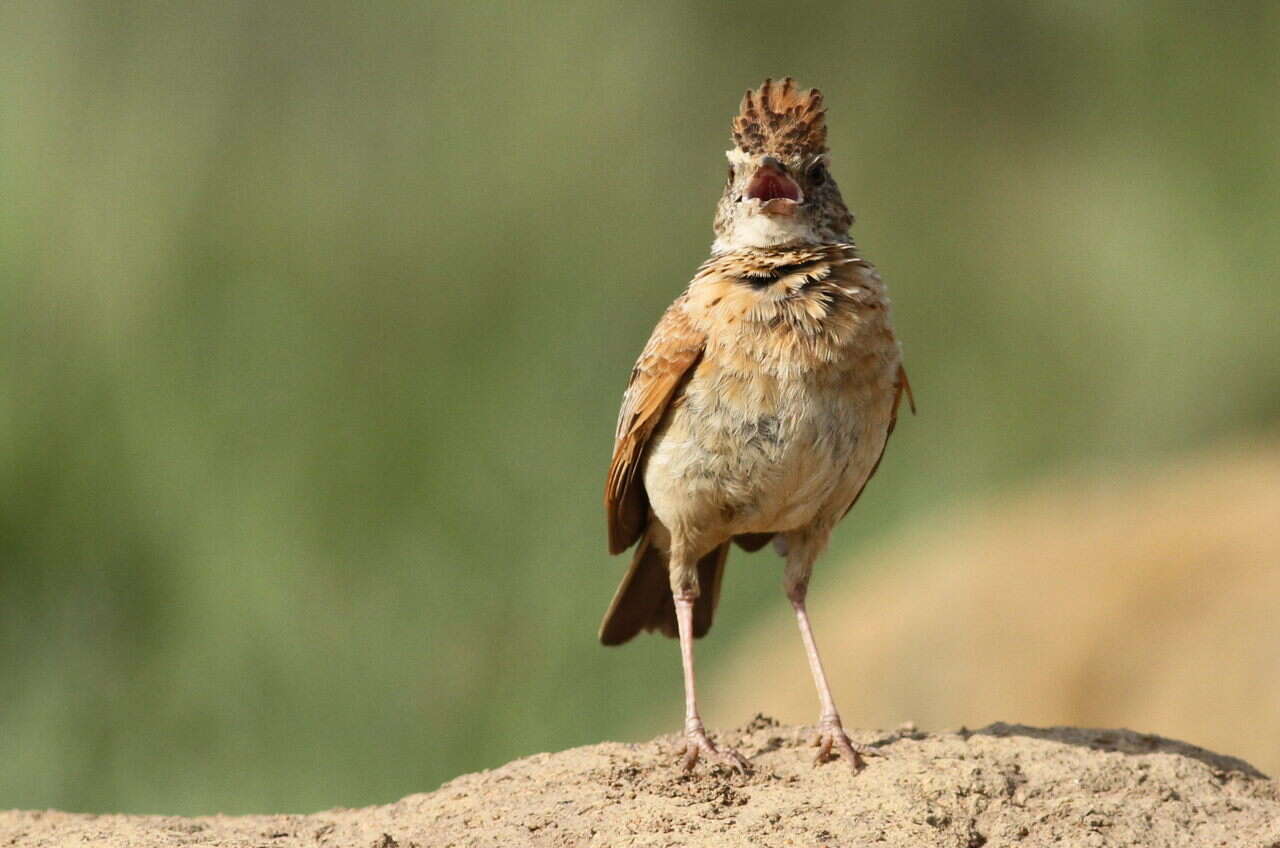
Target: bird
column 760, row 406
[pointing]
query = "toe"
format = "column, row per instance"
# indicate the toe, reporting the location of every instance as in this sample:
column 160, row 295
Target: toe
column 736, row 762
column 700, row 747
column 824, row 743
column 854, row 756
column 834, row 742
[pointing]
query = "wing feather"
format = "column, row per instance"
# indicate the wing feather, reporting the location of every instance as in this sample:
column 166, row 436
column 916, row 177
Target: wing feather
column 672, row 352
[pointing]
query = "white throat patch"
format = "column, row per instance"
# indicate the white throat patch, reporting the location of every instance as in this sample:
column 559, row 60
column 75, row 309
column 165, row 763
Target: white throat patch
column 753, row 228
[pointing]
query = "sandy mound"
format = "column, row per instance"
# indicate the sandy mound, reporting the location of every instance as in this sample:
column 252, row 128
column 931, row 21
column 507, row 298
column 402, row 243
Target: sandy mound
column 1142, row 601
column 1001, row 785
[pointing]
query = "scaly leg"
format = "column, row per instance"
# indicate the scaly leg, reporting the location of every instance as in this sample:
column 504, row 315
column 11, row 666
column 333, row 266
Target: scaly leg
column 696, row 741
column 831, row 732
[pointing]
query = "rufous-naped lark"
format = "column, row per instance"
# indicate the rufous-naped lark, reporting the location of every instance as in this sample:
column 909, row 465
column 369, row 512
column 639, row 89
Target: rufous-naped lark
column 761, row 405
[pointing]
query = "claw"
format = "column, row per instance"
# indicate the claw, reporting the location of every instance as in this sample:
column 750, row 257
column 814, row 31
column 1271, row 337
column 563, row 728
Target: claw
column 830, row 736
column 696, row 744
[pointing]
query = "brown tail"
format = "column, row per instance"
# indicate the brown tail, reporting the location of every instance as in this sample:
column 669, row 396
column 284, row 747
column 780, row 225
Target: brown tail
column 643, row 600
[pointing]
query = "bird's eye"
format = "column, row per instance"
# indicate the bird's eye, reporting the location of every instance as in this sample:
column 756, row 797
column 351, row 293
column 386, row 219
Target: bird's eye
column 817, row 173
column 729, row 180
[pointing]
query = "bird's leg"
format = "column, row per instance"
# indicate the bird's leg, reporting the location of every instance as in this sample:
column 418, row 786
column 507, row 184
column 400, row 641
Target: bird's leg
column 831, row 734
column 696, row 742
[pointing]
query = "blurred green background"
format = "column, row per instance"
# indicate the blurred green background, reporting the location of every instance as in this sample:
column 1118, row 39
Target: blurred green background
column 314, row 320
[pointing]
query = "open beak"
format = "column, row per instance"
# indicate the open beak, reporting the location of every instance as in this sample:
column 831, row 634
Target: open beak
column 778, row 193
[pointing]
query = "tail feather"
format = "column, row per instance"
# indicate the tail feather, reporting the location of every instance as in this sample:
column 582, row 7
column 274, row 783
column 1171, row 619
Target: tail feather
column 643, row 600
column 640, row 595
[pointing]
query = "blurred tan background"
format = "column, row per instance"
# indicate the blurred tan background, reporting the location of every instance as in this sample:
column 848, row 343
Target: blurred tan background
column 314, row 319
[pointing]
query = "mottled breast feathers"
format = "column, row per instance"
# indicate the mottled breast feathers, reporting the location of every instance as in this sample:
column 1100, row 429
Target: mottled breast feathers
column 789, row 309
column 780, row 313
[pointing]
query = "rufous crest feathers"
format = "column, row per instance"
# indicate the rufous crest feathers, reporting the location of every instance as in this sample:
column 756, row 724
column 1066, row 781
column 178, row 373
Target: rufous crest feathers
column 780, row 119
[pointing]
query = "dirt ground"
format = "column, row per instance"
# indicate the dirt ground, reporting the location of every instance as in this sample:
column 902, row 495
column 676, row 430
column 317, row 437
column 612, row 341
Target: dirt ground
column 999, row 785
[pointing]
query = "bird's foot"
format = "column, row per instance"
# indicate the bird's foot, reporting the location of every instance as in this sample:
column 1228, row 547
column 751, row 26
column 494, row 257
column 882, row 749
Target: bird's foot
column 696, row 744
column 831, row 738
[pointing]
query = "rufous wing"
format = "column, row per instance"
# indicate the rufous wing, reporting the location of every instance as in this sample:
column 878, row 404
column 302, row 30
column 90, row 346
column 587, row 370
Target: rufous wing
column 672, row 352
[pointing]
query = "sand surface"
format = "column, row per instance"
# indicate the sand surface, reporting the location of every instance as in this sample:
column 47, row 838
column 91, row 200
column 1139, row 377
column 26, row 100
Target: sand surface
column 998, row 785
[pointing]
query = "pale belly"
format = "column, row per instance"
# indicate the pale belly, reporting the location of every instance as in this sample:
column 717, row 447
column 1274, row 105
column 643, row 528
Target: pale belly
column 750, row 459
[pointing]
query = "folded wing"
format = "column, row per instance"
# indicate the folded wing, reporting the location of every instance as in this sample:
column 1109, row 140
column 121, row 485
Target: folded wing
column 670, row 356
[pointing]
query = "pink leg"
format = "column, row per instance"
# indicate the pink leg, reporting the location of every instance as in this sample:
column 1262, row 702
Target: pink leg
column 831, row 731
column 696, row 741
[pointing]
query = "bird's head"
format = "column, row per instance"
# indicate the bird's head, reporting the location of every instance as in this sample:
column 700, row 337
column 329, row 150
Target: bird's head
column 779, row 190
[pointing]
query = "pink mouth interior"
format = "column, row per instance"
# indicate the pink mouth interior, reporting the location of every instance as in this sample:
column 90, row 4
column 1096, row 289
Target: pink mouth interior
column 769, row 184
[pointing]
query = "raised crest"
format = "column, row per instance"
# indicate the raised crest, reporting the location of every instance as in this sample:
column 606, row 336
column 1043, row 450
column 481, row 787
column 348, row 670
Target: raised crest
column 782, row 120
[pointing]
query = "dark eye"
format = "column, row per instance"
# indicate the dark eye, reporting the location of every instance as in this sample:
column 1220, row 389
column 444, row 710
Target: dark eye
column 730, row 178
column 817, row 173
